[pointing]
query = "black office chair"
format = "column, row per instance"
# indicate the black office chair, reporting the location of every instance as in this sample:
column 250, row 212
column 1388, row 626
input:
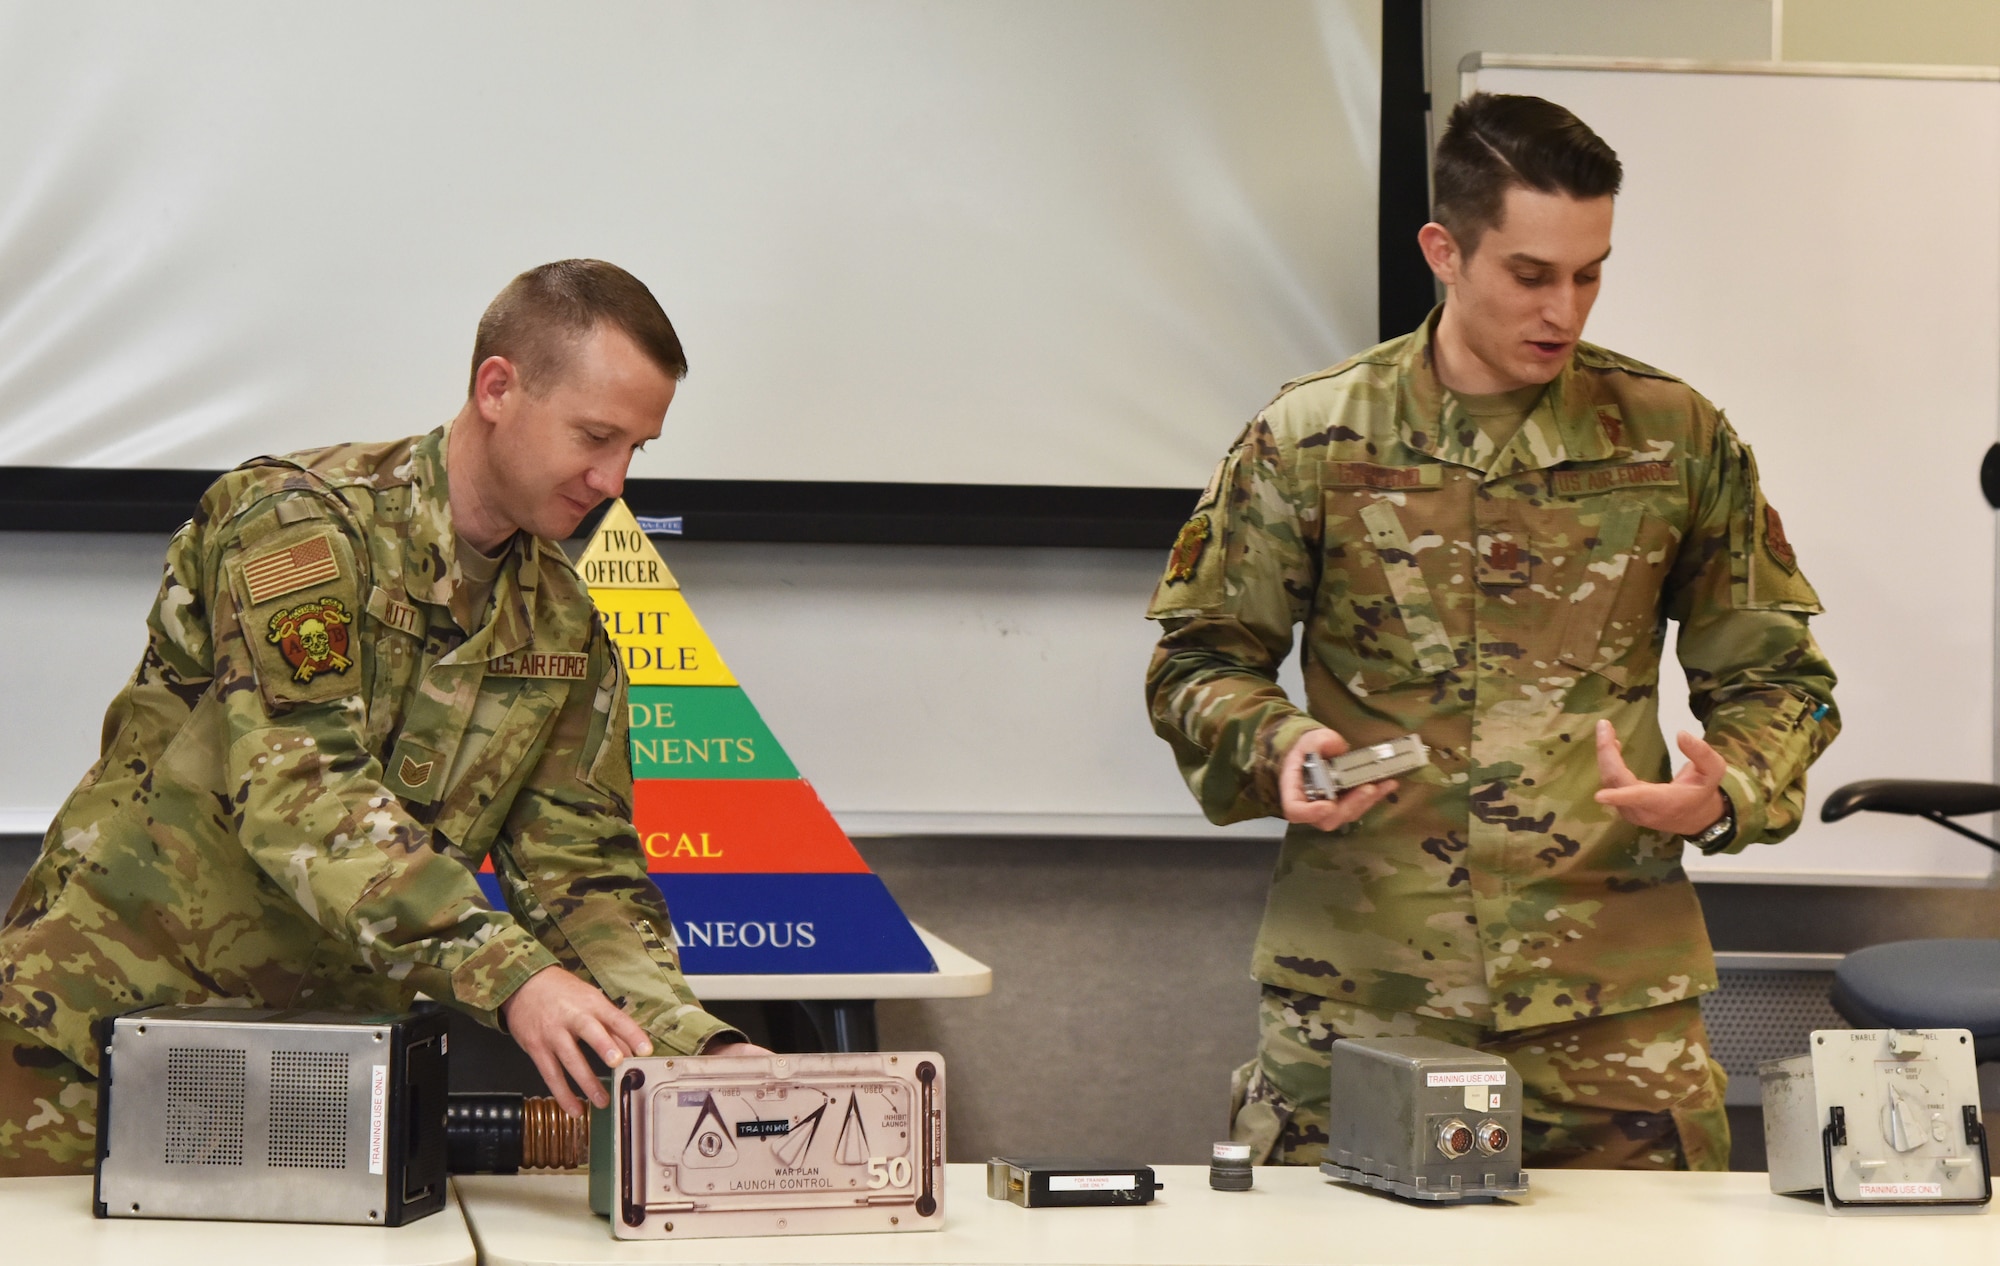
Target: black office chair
column 1929, row 984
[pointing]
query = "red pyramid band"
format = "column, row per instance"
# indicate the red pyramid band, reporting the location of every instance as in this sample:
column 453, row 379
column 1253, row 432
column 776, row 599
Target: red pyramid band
column 739, row 826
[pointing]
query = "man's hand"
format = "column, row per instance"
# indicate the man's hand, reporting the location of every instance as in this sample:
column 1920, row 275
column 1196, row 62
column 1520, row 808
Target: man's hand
column 1688, row 805
column 738, row 1048
column 1323, row 814
column 554, row 1011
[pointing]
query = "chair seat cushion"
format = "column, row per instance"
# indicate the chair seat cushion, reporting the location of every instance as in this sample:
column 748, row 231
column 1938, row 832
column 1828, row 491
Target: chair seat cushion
column 1940, row 984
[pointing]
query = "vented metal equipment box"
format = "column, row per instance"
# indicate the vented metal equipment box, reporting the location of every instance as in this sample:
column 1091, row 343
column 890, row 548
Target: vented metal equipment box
column 271, row 1116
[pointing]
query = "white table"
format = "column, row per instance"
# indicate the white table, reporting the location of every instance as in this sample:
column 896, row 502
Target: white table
column 1292, row 1217
column 959, row 975
column 47, row 1221
column 842, row 1007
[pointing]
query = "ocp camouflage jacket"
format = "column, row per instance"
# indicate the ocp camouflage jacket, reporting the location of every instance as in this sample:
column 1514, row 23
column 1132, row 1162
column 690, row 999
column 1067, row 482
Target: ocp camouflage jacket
column 1498, row 604
column 321, row 743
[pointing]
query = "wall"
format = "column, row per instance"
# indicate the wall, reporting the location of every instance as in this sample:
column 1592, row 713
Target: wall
column 1934, row 32
column 72, row 611
column 1707, row 30
column 1939, row 32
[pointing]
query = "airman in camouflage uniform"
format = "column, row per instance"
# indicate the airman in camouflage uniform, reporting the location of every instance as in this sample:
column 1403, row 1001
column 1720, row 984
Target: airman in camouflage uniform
column 1500, row 601
column 330, row 729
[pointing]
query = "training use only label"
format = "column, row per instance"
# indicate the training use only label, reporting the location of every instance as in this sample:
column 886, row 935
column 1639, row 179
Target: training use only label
column 1468, row 1077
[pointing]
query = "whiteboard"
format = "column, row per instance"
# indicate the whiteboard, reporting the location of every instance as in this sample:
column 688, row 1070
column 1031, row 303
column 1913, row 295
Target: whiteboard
column 922, row 690
column 1817, row 250
column 975, row 242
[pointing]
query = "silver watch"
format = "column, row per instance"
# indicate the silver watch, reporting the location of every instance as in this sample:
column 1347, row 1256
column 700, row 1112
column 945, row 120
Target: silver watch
column 1720, row 830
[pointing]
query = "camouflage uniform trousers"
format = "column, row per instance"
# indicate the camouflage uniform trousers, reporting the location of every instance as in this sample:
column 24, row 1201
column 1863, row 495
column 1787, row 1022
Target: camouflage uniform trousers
column 1635, row 1090
column 48, row 1109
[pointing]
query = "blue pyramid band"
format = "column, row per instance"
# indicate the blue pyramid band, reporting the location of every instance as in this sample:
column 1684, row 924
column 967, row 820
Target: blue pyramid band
column 762, row 925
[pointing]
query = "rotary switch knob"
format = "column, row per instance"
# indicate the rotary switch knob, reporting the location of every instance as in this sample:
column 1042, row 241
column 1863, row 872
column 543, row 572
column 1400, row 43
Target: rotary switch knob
column 1454, row 1139
column 1493, row 1137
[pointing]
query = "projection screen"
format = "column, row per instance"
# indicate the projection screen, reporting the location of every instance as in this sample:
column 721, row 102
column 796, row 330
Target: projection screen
column 989, row 241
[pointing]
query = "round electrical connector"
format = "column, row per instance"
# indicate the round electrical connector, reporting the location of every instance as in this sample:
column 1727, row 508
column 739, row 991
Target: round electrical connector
column 1493, row 1137
column 1229, row 1167
column 1454, row 1139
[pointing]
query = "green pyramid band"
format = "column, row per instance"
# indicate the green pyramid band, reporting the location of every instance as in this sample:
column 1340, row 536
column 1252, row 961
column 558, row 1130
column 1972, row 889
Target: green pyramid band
column 702, row 732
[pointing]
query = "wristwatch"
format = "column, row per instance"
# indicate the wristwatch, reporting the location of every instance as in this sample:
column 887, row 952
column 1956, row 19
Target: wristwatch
column 1719, row 832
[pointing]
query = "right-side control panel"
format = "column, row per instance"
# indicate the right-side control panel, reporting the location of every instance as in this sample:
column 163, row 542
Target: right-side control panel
column 1879, row 1120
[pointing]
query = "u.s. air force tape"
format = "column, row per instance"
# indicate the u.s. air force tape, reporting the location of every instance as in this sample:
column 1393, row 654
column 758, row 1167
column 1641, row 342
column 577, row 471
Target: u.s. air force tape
column 1569, row 483
column 556, row 665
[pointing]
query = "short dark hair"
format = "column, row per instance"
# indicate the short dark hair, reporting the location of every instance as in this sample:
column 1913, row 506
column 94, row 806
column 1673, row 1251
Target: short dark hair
column 1496, row 142
column 542, row 315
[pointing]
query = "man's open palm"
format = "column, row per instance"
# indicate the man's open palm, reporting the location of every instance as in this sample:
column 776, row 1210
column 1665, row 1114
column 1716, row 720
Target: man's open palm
column 1688, row 805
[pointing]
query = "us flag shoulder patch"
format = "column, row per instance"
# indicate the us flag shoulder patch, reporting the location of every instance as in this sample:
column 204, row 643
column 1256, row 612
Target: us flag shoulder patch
column 282, row 571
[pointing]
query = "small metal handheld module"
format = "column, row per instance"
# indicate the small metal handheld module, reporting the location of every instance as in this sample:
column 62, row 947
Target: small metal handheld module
column 1327, row 778
column 727, row 1145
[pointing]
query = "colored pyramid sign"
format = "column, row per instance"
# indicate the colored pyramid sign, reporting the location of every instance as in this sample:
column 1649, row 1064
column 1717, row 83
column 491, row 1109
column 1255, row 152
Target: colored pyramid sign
column 757, row 874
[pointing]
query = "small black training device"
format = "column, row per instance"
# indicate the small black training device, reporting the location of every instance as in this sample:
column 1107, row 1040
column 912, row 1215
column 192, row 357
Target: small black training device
column 1068, row 1182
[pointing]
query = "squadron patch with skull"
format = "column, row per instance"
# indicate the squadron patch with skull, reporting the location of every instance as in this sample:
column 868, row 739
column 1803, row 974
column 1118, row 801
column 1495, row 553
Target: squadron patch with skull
column 313, row 638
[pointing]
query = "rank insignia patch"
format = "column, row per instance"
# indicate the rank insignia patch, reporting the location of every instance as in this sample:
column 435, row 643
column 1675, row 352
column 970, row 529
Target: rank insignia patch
column 1188, row 547
column 1502, row 561
column 313, row 638
column 1775, row 542
column 1613, row 426
column 413, row 774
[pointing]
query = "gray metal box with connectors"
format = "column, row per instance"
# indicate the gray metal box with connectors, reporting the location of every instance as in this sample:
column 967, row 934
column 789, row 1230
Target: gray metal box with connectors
column 1424, row 1120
